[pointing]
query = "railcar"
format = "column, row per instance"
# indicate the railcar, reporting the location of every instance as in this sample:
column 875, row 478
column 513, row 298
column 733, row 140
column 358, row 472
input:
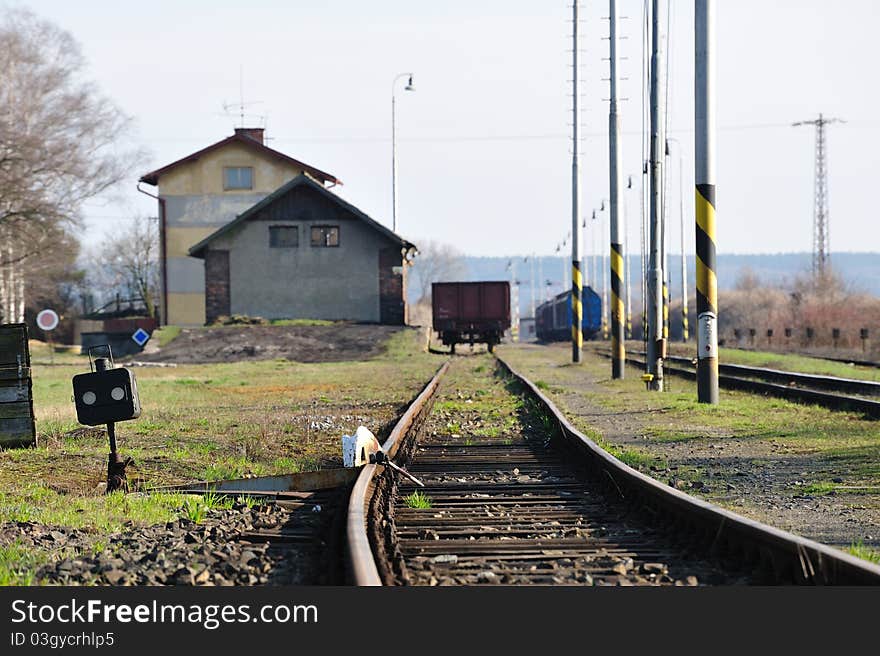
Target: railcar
column 553, row 317
column 471, row 312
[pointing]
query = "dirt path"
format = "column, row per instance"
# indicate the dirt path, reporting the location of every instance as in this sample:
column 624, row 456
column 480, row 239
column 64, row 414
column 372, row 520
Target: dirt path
column 333, row 343
column 805, row 477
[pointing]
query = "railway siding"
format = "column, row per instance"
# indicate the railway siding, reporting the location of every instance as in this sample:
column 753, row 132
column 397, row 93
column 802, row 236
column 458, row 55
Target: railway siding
column 503, row 504
column 515, row 494
column 801, row 468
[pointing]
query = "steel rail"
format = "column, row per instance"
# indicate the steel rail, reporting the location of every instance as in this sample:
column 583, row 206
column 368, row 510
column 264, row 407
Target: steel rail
column 360, row 558
column 817, row 381
column 868, row 407
column 793, row 558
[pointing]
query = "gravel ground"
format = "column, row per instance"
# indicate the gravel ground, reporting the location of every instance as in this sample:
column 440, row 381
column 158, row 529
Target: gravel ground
column 750, row 474
column 221, row 549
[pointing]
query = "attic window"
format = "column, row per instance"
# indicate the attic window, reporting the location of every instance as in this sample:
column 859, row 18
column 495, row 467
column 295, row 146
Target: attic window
column 283, row 237
column 238, row 177
column 325, row 236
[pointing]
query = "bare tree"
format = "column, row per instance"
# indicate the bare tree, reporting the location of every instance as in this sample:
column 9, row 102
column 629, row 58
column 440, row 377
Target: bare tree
column 60, row 144
column 128, row 264
column 436, row 262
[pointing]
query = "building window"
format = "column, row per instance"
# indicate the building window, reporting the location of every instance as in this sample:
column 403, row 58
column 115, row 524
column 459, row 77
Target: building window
column 283, row 236
column 325, row 236
column 238, row 177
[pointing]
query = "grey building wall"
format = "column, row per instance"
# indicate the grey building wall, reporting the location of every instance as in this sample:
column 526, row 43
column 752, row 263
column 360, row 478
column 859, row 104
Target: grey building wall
column 304, row 282
column 206, row 211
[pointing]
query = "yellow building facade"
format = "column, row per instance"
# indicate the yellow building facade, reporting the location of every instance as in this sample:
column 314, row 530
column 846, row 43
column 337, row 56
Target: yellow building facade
column 202, row 192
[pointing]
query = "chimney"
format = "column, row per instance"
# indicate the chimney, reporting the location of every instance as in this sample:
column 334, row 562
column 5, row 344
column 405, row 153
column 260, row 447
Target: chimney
column 251, row 133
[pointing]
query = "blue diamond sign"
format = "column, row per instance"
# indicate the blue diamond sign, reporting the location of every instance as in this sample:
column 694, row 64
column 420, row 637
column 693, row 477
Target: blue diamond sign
column 141, row 337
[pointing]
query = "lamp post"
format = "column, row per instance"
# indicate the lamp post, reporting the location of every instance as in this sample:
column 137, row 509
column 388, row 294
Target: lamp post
column 409, row 87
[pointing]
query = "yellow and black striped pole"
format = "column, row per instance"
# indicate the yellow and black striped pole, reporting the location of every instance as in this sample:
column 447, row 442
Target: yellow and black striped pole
column 577, row 283
column 685, row 329
column 665, row 308
column 707, row 284
column 618, row 349
column 577, row 311
column 617, row 312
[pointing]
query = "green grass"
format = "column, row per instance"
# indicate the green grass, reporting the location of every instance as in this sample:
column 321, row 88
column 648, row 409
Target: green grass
column 165, row 335
column 196, row 508
column 819, row 489
column 417, row 500
column 18, row 563
column 859, row 550
column 34, row 502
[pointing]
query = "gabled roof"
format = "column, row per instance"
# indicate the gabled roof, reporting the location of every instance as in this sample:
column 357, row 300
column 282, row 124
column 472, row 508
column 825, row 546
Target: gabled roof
column 301, row 180
column 240, row 137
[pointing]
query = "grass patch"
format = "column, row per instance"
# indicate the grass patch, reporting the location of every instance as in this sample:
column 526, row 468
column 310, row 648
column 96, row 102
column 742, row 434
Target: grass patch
column 19, row 563
column 164, row 335
column 541, row 385
column 819, row 489
column 859, row 550
column 37, row 503
column 417, row 499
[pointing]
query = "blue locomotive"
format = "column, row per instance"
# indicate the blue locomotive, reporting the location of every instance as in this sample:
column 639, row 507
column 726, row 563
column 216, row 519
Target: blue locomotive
column 553, row 317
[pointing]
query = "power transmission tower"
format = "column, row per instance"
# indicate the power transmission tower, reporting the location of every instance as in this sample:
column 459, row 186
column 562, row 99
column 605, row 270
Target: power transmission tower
column 821, row 248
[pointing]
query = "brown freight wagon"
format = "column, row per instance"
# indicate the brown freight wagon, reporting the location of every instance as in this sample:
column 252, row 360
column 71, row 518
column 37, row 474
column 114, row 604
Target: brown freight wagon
column 471, row 312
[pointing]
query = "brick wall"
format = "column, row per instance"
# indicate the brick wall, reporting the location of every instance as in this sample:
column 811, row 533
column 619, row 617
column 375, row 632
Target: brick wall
column 392, row 303
column 216, row 285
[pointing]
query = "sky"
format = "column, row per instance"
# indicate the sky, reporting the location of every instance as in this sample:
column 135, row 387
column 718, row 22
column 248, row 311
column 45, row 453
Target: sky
column 484, row 149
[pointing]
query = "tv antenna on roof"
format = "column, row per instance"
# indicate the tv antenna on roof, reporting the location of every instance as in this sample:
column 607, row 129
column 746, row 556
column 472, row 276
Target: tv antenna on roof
column 241, row 104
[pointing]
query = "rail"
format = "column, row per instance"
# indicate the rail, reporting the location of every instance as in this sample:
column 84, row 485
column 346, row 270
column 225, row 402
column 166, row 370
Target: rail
column 791, row 392
column 792, row 557
column 360, row 559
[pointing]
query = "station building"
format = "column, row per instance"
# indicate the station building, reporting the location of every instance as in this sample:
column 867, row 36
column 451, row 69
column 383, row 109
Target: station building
column 246, row 229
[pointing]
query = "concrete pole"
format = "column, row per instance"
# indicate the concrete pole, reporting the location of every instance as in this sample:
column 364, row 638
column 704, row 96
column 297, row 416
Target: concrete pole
column 626, row 264
column 707, row 283
column 685, row 328
column 577, row 310
column 655, row 264
column 616, row 252
column 532, row 284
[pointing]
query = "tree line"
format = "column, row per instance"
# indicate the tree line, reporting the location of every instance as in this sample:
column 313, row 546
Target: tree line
column 62, row 143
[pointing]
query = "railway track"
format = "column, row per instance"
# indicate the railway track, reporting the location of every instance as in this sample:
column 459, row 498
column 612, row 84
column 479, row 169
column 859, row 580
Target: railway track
column 531, row 500
column 806, row 388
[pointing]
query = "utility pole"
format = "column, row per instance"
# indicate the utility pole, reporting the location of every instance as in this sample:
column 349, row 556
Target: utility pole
column 616, row 253
column 531, row 259
column 704, row 178
column 684, row 294
column 685, row 329
column 655, row 265
column 821, row 241
column 605, row 304
column 577, row 310
column 626, row 263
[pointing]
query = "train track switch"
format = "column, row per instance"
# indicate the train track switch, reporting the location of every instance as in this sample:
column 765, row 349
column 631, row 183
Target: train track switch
column 107, row 395
column 381, row 458
column 363, row 448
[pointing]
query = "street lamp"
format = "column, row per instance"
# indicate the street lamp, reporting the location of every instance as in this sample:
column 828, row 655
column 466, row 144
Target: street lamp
column 409, row 87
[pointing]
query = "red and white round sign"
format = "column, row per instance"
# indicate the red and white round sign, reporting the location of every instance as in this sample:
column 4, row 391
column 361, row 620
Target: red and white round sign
column 47, row 320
